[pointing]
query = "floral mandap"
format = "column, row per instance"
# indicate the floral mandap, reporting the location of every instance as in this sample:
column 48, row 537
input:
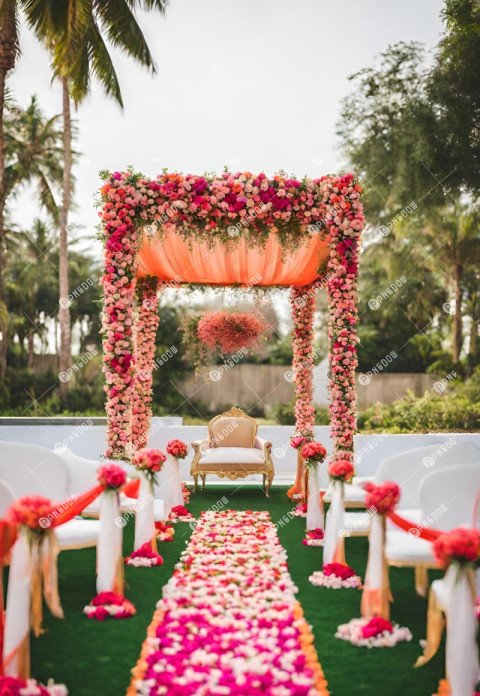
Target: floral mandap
column 243, row 230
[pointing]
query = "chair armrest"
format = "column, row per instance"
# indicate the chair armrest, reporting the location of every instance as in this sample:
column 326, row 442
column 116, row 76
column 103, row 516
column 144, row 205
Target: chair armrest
column 199, row 445
column 262, row 444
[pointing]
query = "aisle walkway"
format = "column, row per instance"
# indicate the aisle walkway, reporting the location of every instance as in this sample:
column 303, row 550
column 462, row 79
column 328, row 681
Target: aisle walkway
column 229, row 622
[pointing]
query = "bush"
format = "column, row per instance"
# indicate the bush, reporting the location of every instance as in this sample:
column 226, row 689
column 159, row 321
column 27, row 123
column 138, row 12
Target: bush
column 450, row 411
column 284, row 414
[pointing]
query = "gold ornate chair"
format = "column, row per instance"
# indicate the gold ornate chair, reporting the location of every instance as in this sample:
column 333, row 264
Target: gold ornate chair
column 232, row 450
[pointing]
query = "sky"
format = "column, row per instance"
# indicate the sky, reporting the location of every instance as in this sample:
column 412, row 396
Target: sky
column 255, row 85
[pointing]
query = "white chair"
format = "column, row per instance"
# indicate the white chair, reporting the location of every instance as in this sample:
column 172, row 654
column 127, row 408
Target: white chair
column 409, row 468
column 82, row 475
column 458, row 488
column 34, row 470
column 446, row 498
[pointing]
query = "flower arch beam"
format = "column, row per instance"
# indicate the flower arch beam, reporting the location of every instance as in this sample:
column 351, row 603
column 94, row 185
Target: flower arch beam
column 233, row 230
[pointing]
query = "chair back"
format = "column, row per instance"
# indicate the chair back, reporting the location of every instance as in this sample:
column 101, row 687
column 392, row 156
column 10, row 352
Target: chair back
column 448, row 496
column 33, row 470
column 232, row 429
column 409, row 468
column 7, row 497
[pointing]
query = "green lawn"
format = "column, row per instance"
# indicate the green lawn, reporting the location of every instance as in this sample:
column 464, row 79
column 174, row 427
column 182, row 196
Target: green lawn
column 95, row 658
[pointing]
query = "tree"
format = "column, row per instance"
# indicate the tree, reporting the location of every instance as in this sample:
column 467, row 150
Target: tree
column 398, row 139
column 32, row 286
column 78, row 34
column 32, row 155
column 453, row 88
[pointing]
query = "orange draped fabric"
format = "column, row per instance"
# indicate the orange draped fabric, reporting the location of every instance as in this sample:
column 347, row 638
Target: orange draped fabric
column 171, row 259
column 63, row 512
column 131, row 488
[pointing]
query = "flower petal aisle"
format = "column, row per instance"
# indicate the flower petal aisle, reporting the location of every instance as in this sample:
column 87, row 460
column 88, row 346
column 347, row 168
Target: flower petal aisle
column 229, row 622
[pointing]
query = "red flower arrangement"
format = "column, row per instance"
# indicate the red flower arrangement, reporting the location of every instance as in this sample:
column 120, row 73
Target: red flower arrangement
column 313, row 453
column 313, row 537
column 339, row 570
column 336, row 576
column 144, row 556
column 32, row 512
column 150, row 462
column 179, row 513
column 111, row 476
column 164, row 531
column 341, row 470
column 383, row 498
column 186, row 493
column 15, row 686
column 460, row 545
column 297, row 441
column 230, row 331
column 376, row 626
column 177, row 448
column 109, row 605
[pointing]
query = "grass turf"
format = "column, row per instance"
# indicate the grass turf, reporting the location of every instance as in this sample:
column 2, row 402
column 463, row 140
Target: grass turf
column 95, row 658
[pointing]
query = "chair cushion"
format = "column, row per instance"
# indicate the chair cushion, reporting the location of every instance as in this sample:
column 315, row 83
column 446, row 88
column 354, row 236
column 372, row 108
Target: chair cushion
column 357, row 523
column 231, row 431
column 352, row 494
column 78, row 533
column 232, row 455
column 402, row 547
column 413, row 515
column 128, row 507
column 362, row 480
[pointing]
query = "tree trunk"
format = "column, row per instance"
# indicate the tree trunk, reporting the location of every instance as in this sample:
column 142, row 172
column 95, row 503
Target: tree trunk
column 30, row 340
column 472, row 348
column 64, row 311
column 457, row 319
column 8, row 52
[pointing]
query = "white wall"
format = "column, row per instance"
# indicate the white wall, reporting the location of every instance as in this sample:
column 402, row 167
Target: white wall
column 88, row 440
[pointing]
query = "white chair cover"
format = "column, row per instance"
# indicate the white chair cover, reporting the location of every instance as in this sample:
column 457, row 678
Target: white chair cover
column 17, row 617
column 145, row 516
column 314, row 504
column 335, row 523
column 109, row 547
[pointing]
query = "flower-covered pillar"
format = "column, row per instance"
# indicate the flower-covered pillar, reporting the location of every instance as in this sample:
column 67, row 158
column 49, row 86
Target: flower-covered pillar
column 345, row 221
column 121, row 239
column 145, row 333
column 302, row 301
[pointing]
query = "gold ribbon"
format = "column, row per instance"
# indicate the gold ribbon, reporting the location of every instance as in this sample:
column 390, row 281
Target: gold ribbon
column 44, row 551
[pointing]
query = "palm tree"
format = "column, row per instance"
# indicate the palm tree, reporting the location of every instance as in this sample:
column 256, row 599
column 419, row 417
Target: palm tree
column 32, row 286
column 452, row 237
column 32, row 154
column 78, row 34
column 9, row 49
column 33, row 150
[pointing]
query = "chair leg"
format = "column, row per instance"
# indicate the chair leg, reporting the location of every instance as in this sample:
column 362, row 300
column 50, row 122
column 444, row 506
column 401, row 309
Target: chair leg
column 269, row 483
column 204, row 476
column 421, row 580
column 435, row 626
column 195, row 481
